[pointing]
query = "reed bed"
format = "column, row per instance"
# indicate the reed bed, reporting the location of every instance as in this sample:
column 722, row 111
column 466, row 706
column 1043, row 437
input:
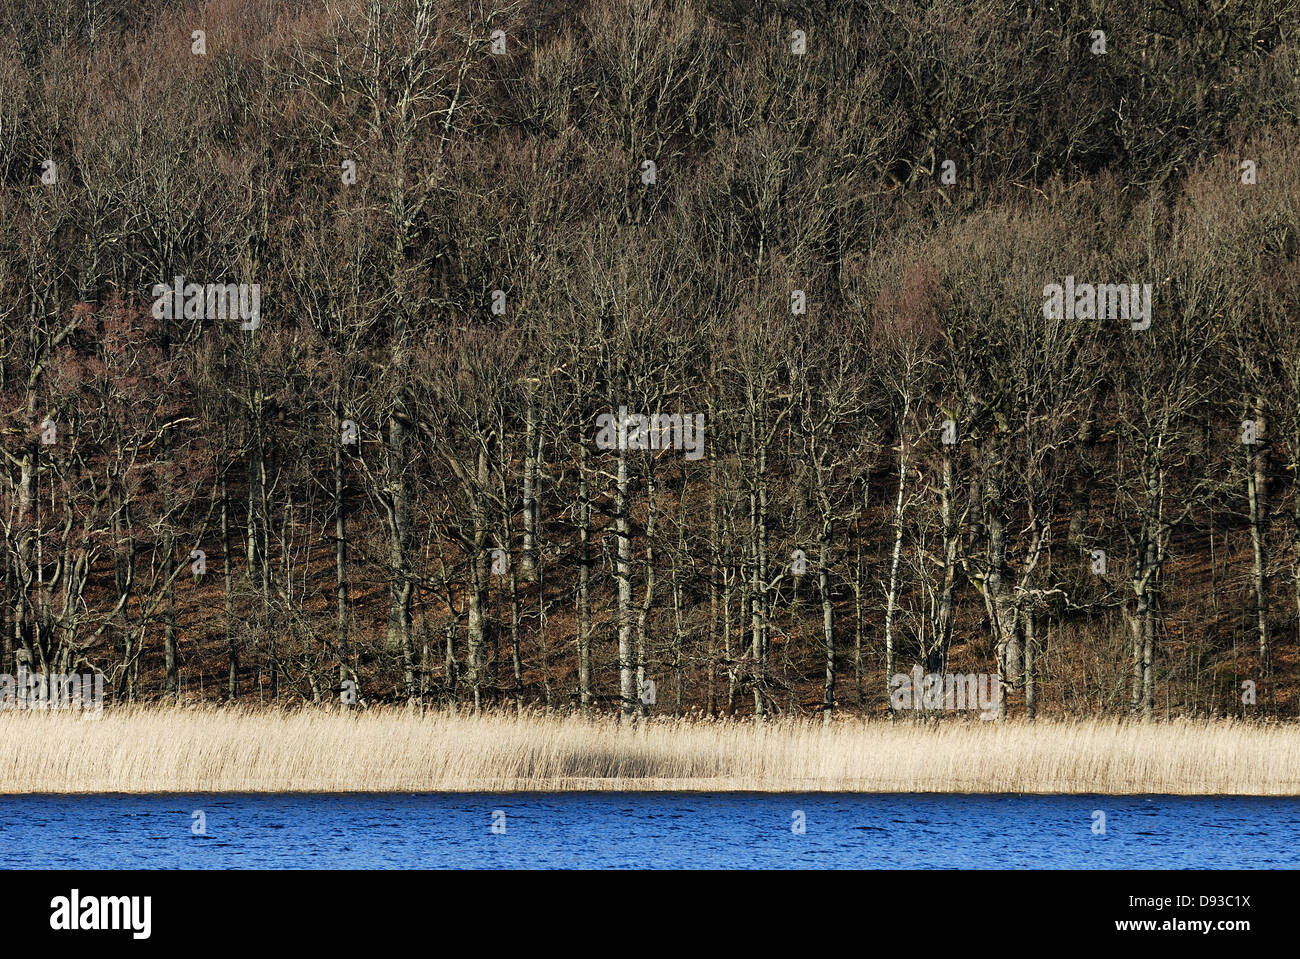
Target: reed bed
column 211, row 749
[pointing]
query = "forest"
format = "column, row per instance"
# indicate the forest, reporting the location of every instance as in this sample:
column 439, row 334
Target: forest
column 698, row 358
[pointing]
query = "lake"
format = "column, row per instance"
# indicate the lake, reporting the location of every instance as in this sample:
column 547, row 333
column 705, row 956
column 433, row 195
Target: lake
column 646, row 830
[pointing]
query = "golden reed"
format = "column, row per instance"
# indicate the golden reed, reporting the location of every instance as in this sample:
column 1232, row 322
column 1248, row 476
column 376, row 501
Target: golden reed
column 216, row 749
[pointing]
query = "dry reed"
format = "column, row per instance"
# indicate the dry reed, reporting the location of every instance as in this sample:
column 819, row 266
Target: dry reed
column 209, row 749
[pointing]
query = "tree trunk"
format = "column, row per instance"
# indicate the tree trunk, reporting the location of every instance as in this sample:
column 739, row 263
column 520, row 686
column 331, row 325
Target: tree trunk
column 1004, row 608
column 1256, row 494
column 758, row 572
column 341, row 559
column 622, row 505
column 715, row 571
column 937, row 662
column 857, row 622
column 1142, row 625
column 584, row 581
column 891, row 596
column 476, row 626
column 232, row 645
column 828, row 619
column 643, row 614
column 1031, row 666
column 529, row 558
column 399, row 571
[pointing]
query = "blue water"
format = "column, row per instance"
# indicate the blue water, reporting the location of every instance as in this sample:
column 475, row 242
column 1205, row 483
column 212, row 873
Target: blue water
column 646, row 830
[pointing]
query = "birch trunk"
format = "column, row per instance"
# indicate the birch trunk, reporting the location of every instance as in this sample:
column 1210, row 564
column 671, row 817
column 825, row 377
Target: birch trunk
column 626, row 675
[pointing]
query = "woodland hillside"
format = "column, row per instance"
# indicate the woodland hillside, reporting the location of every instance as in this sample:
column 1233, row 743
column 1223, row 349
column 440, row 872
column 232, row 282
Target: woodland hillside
column 878, row 269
